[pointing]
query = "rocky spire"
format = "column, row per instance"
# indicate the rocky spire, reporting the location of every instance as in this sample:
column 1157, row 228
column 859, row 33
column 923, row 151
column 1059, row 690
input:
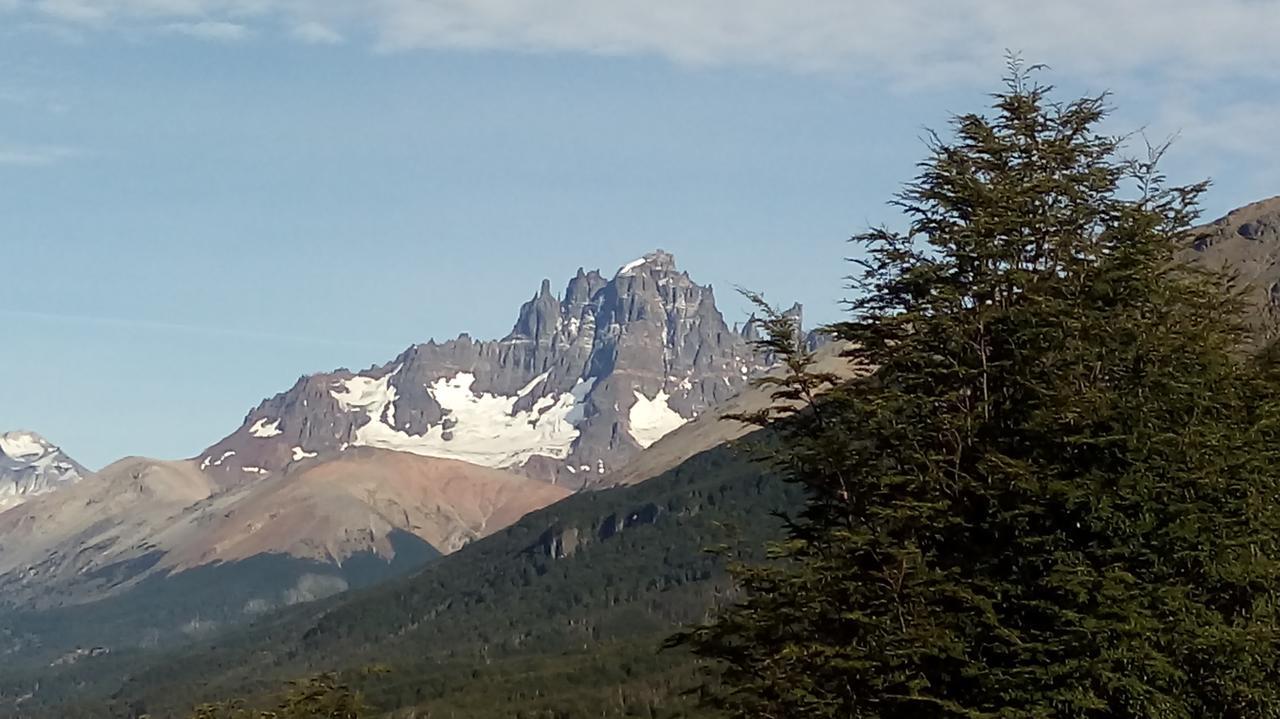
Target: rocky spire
column 539, row 317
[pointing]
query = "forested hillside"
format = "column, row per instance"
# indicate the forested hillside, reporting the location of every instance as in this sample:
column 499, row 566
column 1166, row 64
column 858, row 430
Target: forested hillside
column 563, row 614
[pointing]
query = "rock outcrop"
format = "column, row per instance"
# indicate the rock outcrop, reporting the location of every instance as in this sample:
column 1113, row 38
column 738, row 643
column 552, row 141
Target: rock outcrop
column 1246, row 244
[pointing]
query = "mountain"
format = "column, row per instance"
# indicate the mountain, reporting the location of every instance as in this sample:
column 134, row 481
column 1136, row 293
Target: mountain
column 582, row 383
column 356, row 502
column 560, row 614
column 559, row 600
column 1246, row 243
column 74, row 543
column 717, row 427
column 139, row 518
column 30, row 466
column 350, row 478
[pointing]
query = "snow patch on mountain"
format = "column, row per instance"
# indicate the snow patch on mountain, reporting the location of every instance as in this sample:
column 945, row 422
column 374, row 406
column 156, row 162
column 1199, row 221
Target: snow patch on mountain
column 652, row 419
column 533, row 384
column 479, row 428
column 631, row 266
column 375, row 396
column 264, row 428
column 210, row 461
column 300, row 454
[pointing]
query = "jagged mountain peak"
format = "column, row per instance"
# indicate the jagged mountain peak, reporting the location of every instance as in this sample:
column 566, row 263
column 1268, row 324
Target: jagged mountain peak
column 584, row 380
column 31, row 465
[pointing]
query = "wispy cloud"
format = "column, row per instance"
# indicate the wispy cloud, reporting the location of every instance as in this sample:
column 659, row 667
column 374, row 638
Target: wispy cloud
column 910, row 41
column 1148, row 49
column 219, row 30
column 74, row 11
column 1145, row 48
column 316, row 33
column 35, row 155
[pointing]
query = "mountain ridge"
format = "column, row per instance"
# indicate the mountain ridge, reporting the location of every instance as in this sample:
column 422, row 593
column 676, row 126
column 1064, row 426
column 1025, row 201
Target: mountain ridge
column 443, row 445
column 583, row 382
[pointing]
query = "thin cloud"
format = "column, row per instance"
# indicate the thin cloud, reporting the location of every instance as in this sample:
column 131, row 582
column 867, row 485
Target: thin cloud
column 315, row 33
column 219, row 30
column 74, row 11
column 910, row 42
column 35, row 155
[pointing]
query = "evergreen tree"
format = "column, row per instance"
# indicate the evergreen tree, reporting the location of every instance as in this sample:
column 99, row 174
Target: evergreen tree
column 1054, row 495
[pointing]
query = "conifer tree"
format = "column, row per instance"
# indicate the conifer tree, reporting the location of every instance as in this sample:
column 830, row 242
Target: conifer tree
column 1055, row 495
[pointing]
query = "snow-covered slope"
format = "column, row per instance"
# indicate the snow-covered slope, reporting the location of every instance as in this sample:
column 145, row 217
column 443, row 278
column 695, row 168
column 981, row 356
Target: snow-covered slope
column 31, row 466
column 484, row 428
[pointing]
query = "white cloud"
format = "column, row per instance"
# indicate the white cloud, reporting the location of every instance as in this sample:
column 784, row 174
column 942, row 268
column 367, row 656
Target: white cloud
column 907, row 41
column 73, row 11
column 210, row 30
column 1146, row 49
column 317, row 33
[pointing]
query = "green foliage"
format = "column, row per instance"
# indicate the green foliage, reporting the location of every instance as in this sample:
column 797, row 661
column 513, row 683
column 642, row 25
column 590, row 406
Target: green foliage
column 795, row 386
column 1054, row 497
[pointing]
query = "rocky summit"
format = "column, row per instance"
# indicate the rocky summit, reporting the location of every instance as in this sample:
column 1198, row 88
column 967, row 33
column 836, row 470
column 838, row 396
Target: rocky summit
column 31, row 466
column 583, row 382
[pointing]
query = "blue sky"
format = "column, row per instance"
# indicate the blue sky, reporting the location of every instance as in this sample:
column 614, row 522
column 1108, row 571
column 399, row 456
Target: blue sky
column 204, row 199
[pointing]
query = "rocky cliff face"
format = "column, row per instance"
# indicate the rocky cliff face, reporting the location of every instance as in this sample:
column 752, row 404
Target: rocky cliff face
column 582, row 383
column 30, row 466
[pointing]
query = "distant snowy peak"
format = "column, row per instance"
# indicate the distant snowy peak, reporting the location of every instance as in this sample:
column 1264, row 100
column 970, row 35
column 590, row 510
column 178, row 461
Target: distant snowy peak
column 24, row 445
column 30, row 465
column 585, row 380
